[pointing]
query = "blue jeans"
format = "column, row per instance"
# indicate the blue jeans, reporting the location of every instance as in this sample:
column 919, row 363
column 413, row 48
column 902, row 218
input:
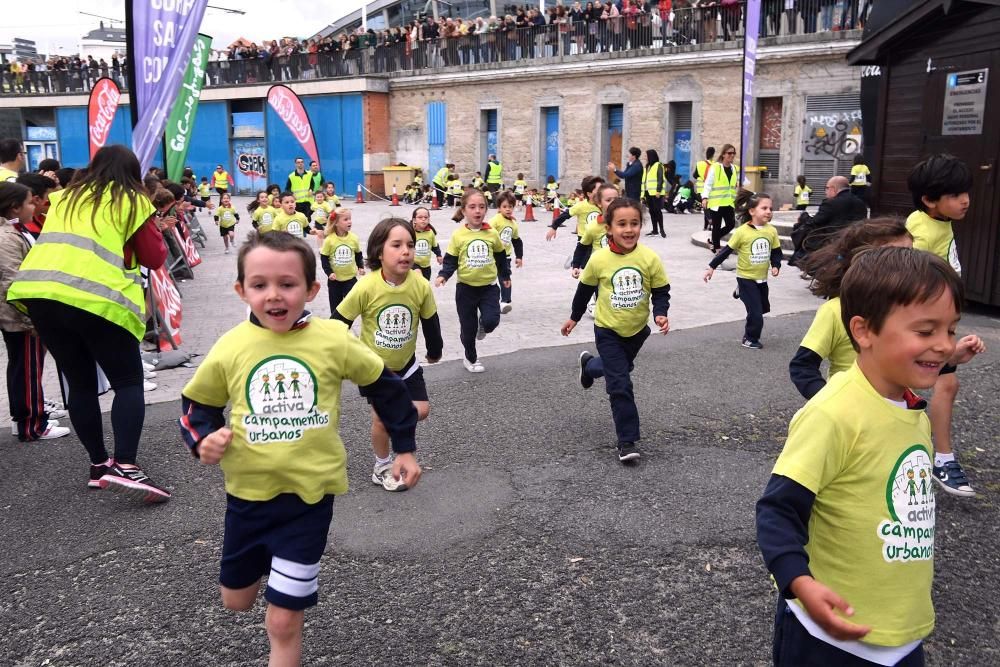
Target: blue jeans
column 615, row 361
column 754, row 296
column 505, row 291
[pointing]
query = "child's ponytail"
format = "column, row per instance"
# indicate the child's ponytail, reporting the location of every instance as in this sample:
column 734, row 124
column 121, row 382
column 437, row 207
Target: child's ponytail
column 746, row 200
column 826, row 267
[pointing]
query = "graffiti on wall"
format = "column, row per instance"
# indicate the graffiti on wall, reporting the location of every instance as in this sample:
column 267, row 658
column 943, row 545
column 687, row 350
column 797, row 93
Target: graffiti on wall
column 833, row 135
column 770, row 124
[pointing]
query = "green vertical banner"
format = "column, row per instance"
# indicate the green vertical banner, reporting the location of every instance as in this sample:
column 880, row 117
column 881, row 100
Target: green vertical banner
column 181, row 120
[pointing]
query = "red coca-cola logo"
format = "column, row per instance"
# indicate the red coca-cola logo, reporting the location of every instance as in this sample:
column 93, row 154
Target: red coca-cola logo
column 291, row 112
column 168, row 303
column 103, row 105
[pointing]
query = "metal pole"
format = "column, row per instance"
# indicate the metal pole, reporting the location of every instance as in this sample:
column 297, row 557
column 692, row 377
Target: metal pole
column 130, row 68
column 364, row 16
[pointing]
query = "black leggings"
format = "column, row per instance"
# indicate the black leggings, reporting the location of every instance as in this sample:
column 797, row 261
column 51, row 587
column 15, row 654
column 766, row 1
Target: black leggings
column 655, row 205
column 338, row 289
column 724, row 214
column 78, row 341
column 477, row 306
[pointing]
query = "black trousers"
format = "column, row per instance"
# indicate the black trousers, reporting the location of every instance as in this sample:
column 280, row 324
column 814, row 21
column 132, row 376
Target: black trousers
column 305, row 208
column 655, row 205
column 425, row 271
column 476, row 306
column 25, row 362
column 723, row 222
column 754, row 297
column 78, row 341
column 615, row 362
column 337, row 290
column 505, row 292
column 793, row 646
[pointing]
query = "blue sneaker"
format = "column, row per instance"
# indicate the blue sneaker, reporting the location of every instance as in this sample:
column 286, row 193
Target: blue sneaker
column 952, row 480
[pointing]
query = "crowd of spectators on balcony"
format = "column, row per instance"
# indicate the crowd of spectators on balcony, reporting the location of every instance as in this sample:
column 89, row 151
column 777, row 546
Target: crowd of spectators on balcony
column 525, row 33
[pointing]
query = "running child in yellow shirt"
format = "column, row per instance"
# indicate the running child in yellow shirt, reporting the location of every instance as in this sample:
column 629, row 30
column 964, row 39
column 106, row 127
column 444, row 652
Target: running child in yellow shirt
column 391, row 300
column 506, row 226
column 426, row 244
column 320, row 212
column 341, row 257
column 226, row 218
column 628, row 278
column 261, row 213
column 595, row 234
column 288, row 219
column 585, row 211
column 281, row 456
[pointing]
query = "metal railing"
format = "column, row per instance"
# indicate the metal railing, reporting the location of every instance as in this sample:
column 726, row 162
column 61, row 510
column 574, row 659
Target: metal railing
column 680, row 29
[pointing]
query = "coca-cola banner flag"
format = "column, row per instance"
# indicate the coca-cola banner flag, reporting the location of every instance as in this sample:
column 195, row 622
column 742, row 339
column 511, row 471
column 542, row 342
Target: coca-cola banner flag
column 183, row 237
column 181, row 121
column 163, row 33
column 289, row 108
column 101, row 112
column 167, row 301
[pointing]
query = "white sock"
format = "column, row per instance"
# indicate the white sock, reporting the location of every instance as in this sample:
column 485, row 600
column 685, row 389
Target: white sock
column 382, row 462
column 941, row 459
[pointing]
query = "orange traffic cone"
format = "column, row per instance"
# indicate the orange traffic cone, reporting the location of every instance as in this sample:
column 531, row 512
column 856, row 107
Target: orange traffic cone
column 395, row 197
column 435, row 204
column 529, row 211
column 359, row 198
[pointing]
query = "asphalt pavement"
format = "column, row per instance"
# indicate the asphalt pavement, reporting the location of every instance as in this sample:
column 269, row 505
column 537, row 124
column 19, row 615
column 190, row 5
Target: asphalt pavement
column 525, row 543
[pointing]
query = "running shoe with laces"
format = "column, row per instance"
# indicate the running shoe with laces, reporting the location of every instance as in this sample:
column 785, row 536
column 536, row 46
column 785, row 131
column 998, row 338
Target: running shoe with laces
column 481, row 333
column 627, row 451
column 97, row 471
column 382, row 476
column 55, row 410
column 585, row 380
column 952, row 480
column 473, row 366
column 134, row 482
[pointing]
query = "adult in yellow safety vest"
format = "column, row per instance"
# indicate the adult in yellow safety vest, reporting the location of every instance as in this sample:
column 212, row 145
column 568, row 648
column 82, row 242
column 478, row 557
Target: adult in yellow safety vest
column 700, row 172
column 11, row 159
column 300, row 184
column 494, row 175
column 221, row 180
column 440, row 181
column 81, row 286
column 718, row 195
column 654, row 186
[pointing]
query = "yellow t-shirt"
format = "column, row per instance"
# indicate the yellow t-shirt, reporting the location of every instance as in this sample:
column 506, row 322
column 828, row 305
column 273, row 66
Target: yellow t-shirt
column 284, row 389
column 389, row 315
column 506, row 229
column 934, row 236
column 585, row 213
column 802, row 195
column 552, row 189
column 203, row 190
column 871, row 530
column 753, row 246
column 320, row 213
column 595, row 235
column 624, row 284
column 264, row 217
column 226, row 216
column 333, row 201
column 455, row 187
column 423, row 248
column 474, row 250
column 859, row 175
column 295, row 224
column 520, row 186
column 828, row 338
column 342, row 250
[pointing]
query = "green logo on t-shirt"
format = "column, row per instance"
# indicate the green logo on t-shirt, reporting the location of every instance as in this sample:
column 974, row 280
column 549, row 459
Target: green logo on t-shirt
column 395, row 327
column 477, row 254
column 760, row 251
column 909, row 496
column 626, row 288
column 281, row 393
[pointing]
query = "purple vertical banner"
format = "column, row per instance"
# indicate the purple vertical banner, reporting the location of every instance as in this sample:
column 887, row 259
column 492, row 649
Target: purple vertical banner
column 163, row 34
column 752, row 29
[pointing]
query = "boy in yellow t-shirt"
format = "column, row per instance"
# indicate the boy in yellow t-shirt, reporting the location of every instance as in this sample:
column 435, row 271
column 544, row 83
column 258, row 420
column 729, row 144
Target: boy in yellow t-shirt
column 288, row 219
column 628, row 278
column 802, row 192
column 940, row 187
column 280, row 453
column 860, row 178
column 585, row 211
column 846, row 523
column 506, row 227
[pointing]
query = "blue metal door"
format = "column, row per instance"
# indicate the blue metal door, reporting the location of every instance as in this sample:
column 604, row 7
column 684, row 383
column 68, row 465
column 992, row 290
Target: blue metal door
column 551, row 143
column 491, row 132
column 682, row 153
column 437, row 133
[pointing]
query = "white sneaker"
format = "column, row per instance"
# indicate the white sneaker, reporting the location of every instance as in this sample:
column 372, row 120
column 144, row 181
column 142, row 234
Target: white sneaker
column 473, row 366
column 146, row 366
column 148, row 375
column 55, row 410
column 382, row 476
column 505, row 308
column 53, row 423
column 481, row 333
column 54, row 432
column 148, row 386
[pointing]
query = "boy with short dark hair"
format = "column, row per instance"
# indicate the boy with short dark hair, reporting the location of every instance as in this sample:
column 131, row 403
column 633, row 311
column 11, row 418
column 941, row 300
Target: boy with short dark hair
column 280, row 453
column 846, row 523
column 940, row 188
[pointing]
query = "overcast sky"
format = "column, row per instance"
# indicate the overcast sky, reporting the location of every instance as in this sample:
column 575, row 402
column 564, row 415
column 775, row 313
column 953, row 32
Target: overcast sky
column 59, row 23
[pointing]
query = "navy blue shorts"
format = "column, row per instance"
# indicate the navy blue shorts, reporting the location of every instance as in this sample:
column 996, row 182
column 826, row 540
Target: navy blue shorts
column 415, row 385
column 284, row 538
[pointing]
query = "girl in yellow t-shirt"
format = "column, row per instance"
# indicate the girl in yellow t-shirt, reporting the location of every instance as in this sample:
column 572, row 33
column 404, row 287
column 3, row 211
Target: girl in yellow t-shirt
column 756, row 244
column 341, row 257
column 226, row 218
column 506, row 226
column 860, row 178
column 802, row 192
column 261, row 212
column 426, row 243
column 320, row 212
column 274, row 196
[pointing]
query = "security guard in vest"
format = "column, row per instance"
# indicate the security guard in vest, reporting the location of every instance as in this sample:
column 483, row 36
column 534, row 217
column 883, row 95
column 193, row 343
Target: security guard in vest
column 317, row 182
column 494, row 175
column 221, row 180
column 11, row 159
column 654, row 186
column 718, row 195
column 700, row 171
column 300, row 184
column 440, row 181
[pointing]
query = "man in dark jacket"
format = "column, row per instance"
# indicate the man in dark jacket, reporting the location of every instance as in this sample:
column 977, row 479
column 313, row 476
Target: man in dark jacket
column 631, row 173
column 839, row 209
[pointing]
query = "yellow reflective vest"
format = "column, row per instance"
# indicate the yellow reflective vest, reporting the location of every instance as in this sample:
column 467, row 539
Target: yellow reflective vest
column 653, row 181
column 221, row 179
column 81, row 262
column 723, row 189
column 700, row 172
column 441, row 177
column 495, row 173
column 301, row 185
